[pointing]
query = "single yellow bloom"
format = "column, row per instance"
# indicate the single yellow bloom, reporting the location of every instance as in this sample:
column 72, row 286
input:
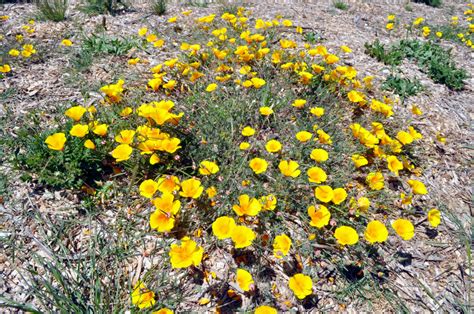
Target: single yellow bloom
column 148, row 188
column 208, row 167
column 244, row 279
column 242, row 236
column 317, row 111
column 142, row 31
column 66, row 42
column 248, row 131
column 223, row 226
column 265, row 111
column 316, row 175
column 75, row 112
column 376, row 232
column 79, row 130
column 281, row 245
column 301, row 285
column 375, row 180
column 339, row 196
column 247, row 206
column 418, row 187
column 324, row 193
column 122, row 152
column 258, row 165
column 89, row 144
column 168, row 184
column 363, row 203
column 273, row 146
column 289, row 168
column 303, row 136
column 319, row 155
column 244, row 145
column 299, row 103
column 404, row 228
column 142, row 296
column 125, row 137
column 186, row 254
column 56, row 141
column 265, row 309
column 346, row 235
column 191, row 188
column 320, row 217
column 268, row 202
column 359, row 160
column 394, row 165
column 211, row 87
column 434, row 217
column 100, row 129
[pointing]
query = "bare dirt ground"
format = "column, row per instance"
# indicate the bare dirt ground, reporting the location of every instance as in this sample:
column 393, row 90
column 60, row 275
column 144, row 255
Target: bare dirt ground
column 437, row 276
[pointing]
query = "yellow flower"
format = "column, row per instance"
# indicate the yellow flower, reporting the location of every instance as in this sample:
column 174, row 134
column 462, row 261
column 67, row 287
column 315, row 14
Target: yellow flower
column 404, row 137
column 122, row 152
column 404, row 228
column 186, row 254
column 89, row 144
column 301, row 285
column 299, row 103
column 211, row 87
column 268, row 202
column 248, row 131
column 113, row 92
column 257, row 82
column 439, row 34
column 434, row 217
column 323, row 137
column 56, row 141
column 363, row 203
column 258, row 165
column 142, row 31
column 394, row 165
column 346, row 49
column 75, row 112
column 417, row 187
column 317, row 111
column 66, row 42
column 346, row 235
column 265, row 111
column 389, row 26
column 244, row 145
column 289, row 168
column 376, row 232
column 265, row 309
column 339, row 196
column 331, row 59
column 211, row 192
column 162, row 221
column 416, row 110
column 191, row 188
column 247, row 206
column 172, row 19
column 320, row 217
column 359, row 160
column 133, row 61
column 142, row 297
column 14, row 53
column 79, row 130
column 166, row 204
column 168, row 184
column 281, row 245
column 316, row 175
column 375, row 180
column 126, row 112
column 418, row 21
column 319, row 155
column 163, row 311
column 208, row 167
column 244, row 279
column 355, row 96
column 125, row 137
column 324, row 193
column 100, row 129
column 222, row 227
column 273, row 146
column 5, row 68
column 242, row 236
column 148, row 188
column 391, row 17
column 303, row 136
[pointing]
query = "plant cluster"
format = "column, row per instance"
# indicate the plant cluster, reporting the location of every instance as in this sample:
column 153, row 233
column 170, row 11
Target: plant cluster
column 273, row 152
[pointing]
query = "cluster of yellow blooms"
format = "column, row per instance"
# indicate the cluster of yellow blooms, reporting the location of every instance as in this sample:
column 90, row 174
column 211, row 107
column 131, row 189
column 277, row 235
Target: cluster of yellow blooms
column 463, row 36
column 24, row 50
column 238, row 50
